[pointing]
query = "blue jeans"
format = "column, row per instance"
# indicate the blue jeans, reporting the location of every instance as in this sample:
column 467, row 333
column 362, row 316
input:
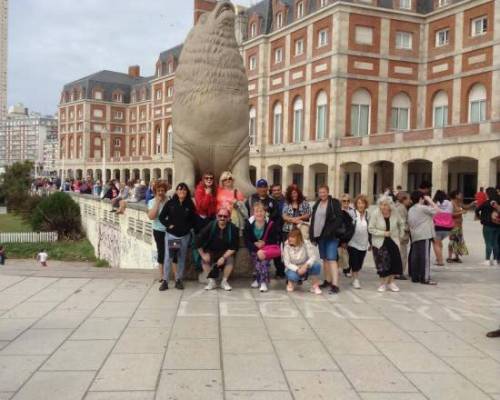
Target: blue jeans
column 181, row 256
column 293, row 276
column 328, row 249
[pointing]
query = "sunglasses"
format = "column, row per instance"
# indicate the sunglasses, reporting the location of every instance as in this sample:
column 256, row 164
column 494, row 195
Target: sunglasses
column 227, row 179
column 209, row 178
column 223, row 216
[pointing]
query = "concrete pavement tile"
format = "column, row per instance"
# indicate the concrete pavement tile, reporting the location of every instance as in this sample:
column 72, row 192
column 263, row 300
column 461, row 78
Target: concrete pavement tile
column 100, row 328
column 278, row 309
column 288, row 329
column 37, row 341
column 15, row 370
column 55, row 386
column 6, row 395
column 356, row 311
column 242, row 322
column 412, row 357
column 85, row 355
column 392, row 396
column 120, row 396
column 161, row 300
column 52, row 293
column 28, row 287
column 124, row 372
column 153, row 318
column 143, row 341
column 239, row 308
column 192, row 354
column 258, row 395
column 253, row 372
column 30, row 310
column 13, row 327
column 110, row 309
column 484, row 372
column 373, row 374
column 62, row 319
column 7, row 281
column 304, row 355
column 412, row 322
column 320, row 385
column 496, row 396
column 351, row 343
column 382, row 331
column 196, row 328
column 197, row 308
column 244, row 340
column 446, row 387
column 445, row 344
column 9, row 301
column 3, row 343
column 190, row 385
column 130, row 290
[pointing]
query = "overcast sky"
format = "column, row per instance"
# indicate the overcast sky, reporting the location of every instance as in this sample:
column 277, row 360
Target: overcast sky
column 53, row 42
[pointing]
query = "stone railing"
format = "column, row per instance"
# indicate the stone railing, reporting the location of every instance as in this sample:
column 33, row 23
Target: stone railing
column 126, row 240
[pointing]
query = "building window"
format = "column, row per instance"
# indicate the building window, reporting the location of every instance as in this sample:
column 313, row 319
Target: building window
column 158, row 140
column 170, row 91
column 298, row 120
column 98, row 113
column 442, row 3
column 119, row 115
column 323, row 3
column 404, row 40
column 277, row 124
column 118, row 129
column 142, row 146
column 158, row 94
column 170, row 67
column 400, row 112
column 170, row 139
column 405, row 4
column 117, row 142
column 299, row 47
column 118, row 97
column 440, row 109
column 321, row 116
column 132, row 147
column 253, row 30
column 479, row 26
column 322, row 37
column 98, row 95
column 364, row 35
column 278, row 55
column 360, row 113
column 252, row 126
column 252, row 63
column 442, row 37
column 300, row 9
column 279, row 20
column 477, row 104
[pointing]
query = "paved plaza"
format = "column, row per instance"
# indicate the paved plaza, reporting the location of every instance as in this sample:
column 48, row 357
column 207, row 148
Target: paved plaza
column 75, row 332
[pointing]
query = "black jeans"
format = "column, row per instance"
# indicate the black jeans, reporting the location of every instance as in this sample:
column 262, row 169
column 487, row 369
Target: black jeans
column 160, row 245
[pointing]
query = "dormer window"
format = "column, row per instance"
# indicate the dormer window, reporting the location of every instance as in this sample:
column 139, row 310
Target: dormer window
column 253, row 30
column 300, row 9
column 170, row 67
column 118, row 97
column 98, row 95
column 279, row 20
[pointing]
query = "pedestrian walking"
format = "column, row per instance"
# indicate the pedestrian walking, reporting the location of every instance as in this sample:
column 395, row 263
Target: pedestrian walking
column 487, row 213
column 443, row 224
column 42, row 258
column 456, row 245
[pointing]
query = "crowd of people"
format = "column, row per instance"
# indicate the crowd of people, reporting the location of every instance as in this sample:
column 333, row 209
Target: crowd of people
column 304, row 240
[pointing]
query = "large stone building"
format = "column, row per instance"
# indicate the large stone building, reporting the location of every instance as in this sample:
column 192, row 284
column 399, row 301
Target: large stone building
column 4, row 19
column 359, row 94
column 28, row 136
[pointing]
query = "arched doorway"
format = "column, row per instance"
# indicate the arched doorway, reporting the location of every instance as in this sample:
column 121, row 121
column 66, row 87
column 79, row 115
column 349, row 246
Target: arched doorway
column 418, row 171
column 382, row 177
column 350, row 178
column 275, row 175
column 462, row 176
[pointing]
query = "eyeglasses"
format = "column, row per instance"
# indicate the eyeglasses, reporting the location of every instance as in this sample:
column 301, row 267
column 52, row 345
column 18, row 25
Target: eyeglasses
column 209, row 178
column 227, row 179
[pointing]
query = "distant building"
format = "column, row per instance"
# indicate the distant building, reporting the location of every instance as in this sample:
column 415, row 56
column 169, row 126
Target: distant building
column 357, row 94
column 28, row 136
column 4, row 17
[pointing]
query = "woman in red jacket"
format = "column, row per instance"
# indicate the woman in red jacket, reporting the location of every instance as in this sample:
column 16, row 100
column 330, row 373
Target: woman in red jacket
column 206, row 200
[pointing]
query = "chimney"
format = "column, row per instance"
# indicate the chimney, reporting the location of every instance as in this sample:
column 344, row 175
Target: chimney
column 201, row 7
column 134, row 71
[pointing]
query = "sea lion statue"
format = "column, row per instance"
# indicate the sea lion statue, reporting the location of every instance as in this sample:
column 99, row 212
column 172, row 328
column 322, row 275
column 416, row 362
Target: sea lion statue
column 210, row 109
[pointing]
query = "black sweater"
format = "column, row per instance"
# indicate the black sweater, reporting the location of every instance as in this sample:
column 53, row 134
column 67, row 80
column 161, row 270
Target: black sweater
column 214, row 239
column 178, row 218
column 484, row 213
column 250, row 239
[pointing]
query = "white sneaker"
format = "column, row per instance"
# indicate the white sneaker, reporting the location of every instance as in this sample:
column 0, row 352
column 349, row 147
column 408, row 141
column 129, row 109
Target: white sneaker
column 382, row 288
column 224, row 285
column 263, row 287
column 315, row 290
column 211, row 285
column 203, row 277
column 487, row 263
column 355, row 284
column 255, row 284
column 393, row 287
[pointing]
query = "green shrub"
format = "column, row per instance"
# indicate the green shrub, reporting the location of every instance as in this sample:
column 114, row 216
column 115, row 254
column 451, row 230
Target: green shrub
column 58, row 213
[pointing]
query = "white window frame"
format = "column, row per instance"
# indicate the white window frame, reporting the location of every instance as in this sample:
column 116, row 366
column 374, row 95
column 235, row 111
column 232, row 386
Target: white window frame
column 440, row 110
column 323, row 3
column 443, row 37
column 158, row 94
column 321, row 108
column 170, row 91
column 279, row 20
column 253, row 30
column 119, row 115
column 118, row 129
column 252, row 126
column 158, row 141
column 170, row 139
column 298, row 120
column 478, row 101
column 323, row 38
column 442, row 3
column 357, row 108
column 404, row 40
column 98, row 95
column 278, row 124
column 252, row 63
column 300, row 10
column 482, row 22
column 299, row 47
column 405, row 4
column 278, row 55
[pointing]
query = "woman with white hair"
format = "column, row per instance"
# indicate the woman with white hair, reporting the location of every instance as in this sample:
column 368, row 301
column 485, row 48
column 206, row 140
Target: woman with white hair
column 387, row 228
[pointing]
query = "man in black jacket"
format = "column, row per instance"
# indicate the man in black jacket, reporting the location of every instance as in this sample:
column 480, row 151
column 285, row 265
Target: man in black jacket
column 217, row 244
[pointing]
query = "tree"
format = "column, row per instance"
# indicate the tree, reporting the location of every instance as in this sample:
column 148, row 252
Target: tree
column 16, row 182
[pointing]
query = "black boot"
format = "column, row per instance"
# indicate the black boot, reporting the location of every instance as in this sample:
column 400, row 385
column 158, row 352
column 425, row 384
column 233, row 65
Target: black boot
column 179, row 285
column 163, row 286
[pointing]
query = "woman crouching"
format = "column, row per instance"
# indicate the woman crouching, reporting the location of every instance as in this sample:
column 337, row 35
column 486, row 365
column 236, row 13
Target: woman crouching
column 301, row 262
column 261, row 239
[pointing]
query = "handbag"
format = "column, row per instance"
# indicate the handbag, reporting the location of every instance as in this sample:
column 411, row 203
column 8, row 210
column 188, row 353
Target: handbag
column 444, row 220
column 270, row 250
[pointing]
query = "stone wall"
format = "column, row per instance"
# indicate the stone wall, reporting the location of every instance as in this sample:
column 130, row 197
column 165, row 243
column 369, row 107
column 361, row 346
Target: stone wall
column 126, row 241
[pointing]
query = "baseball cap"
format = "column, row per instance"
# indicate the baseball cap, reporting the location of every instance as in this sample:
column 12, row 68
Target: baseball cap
column 261, row 183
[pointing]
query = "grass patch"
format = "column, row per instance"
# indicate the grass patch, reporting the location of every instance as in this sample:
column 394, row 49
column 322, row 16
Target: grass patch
column 80, row 250
column 13, row 223
column 102, row 264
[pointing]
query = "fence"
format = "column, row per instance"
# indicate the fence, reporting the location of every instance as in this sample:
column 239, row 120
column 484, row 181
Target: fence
column 28, row 237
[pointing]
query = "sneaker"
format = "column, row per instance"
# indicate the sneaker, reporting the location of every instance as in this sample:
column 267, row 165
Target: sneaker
column 202, row 277
column 315, row 290
column 355, row 284
column 163, row 286
column 487, row 263
column 382, row 288
column 289, row 287
column 334, row 289
column 325, row 285
column 179, row 285
column 263, row 287
column 224, row 285
column 393, row 287
column 211, row 284
column 255, row 284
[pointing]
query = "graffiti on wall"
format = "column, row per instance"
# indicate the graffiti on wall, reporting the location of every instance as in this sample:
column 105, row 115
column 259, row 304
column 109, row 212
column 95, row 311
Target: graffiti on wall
column 108, row 245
